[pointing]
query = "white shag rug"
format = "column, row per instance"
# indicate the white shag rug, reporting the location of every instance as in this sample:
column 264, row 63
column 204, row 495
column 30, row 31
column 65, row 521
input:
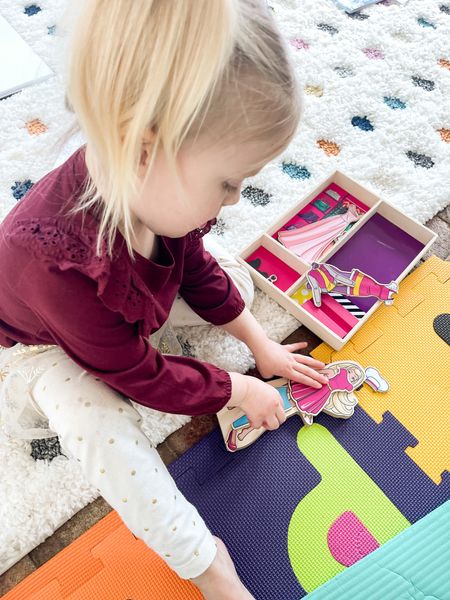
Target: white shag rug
column 377, row 90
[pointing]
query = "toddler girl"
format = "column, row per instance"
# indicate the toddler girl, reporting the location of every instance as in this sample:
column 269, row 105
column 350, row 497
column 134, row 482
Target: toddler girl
column 179, row 101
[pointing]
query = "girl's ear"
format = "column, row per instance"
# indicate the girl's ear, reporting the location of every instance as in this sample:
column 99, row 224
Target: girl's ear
column 147, row 141
column 143, row 161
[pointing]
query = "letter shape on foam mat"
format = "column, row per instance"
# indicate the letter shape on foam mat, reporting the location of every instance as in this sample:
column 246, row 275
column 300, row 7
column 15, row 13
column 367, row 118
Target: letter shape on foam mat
column 344, row 487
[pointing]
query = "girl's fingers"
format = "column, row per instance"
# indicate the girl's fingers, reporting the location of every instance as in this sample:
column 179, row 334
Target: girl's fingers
column 308, row 360
column 296, row 346
column 271, row 423
column 302, row 378
column 280, row 414
column 311, row 373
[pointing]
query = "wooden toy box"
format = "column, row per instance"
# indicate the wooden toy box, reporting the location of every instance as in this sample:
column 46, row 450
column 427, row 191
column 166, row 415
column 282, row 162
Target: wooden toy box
column 384, row 243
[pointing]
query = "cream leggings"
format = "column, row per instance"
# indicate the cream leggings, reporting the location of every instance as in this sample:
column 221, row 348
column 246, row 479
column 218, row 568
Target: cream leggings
column 101, row 429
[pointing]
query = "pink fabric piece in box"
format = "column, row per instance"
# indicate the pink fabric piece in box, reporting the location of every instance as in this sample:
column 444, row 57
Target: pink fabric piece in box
column 332, row 315
column 272, row 265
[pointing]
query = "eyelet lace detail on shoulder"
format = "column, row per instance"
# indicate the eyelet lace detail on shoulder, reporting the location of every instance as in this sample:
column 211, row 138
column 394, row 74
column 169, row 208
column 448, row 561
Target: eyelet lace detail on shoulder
column 60, row 241
column 71, row 245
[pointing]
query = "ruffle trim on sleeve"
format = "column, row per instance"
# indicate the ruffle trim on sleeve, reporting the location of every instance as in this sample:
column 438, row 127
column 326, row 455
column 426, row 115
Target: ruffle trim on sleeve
column 69, row 245
column 198, row 233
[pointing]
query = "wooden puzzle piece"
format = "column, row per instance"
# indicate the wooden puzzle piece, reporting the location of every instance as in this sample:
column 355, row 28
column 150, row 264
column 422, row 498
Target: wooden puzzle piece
column 324, row 278
column 401, row 341
column 336, row 398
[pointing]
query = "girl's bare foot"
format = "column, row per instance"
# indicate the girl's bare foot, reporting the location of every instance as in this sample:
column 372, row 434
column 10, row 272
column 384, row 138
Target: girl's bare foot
column 220, row 580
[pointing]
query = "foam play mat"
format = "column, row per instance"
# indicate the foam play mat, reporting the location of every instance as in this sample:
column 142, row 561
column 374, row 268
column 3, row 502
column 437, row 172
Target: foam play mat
column 106, row 563
column 302, row 504
column 349, row 509
column 411, row 566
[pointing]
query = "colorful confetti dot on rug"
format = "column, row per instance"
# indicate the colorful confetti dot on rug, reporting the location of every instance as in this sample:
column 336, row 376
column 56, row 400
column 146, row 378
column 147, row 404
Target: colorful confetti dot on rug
column 424, row 23
column 445, row 8
column 36, row 127
column 299, row 44
column 328, row 28
column 330, row 148
column 45, row 449
column 426, row 84
column 295, row 171
column 51, row 29
column 358, row 16
column 314, row 90
column 256, row 196
column 394, row 103
column 373, row 53
column 445, row 135
column 420, row 160
column 186, row 347
column 344, row 72
column 20, row 188
column 363, row 123
column 445, row 63
column 402, row 35
column 219, row 227
column 32, row 9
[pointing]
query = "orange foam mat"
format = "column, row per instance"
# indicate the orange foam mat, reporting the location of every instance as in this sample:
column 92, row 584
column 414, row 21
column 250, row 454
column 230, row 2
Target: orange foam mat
column 106, row 563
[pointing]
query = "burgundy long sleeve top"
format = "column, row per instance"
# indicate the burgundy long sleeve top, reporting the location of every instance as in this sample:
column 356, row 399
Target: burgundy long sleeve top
column 101, row 310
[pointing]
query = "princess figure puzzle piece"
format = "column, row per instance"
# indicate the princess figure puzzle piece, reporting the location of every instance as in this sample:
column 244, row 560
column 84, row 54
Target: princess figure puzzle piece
column 336, row 398
column 324, row 278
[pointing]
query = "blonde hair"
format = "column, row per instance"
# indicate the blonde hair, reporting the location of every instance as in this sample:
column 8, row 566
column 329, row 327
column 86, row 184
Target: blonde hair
column 342, row 404
column 178, row 68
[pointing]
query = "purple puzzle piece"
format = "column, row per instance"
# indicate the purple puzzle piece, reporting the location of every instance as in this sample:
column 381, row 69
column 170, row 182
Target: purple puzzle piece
column 380, row 452
column 247, row 498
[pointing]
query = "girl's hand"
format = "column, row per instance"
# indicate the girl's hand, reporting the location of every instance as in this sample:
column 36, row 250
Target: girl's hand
column 260, row 401
column 277, row 359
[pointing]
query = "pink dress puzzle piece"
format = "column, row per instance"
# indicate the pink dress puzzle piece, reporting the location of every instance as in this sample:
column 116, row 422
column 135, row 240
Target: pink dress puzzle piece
column 312, row 400
column 311, row 241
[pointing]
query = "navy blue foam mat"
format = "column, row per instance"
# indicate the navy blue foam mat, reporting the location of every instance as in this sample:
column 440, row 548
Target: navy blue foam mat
column 248, row 498
column 247, row 501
